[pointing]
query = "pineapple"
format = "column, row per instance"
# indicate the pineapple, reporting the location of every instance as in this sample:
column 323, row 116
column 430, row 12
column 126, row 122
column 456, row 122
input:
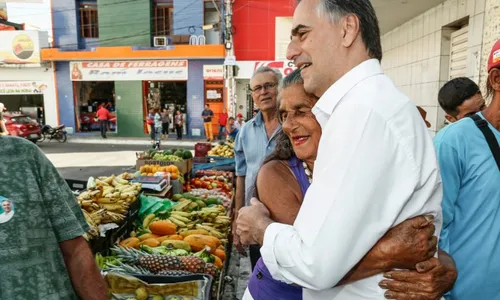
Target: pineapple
column 193, row 264
column 153, row 263
column 211, row 269
column 158, row 263
column 128, row 269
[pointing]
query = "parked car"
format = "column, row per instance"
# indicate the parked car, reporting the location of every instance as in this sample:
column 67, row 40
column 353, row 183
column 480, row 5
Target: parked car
column 22, row 126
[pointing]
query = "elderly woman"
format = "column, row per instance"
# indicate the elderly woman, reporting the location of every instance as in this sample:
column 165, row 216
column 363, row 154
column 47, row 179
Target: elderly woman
column 287, row 173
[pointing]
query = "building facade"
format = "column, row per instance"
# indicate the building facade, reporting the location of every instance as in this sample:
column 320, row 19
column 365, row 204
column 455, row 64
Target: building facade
column 451, row 39
column 261, row 31
column 27, row 85
column 135, row 55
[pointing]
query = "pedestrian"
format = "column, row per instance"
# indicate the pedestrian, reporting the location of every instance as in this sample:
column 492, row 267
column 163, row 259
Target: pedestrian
column 43, row 254
column 165, row 121
column 3, row 128
column 231, row 129
column 207, row 116
column 469, row 157
column 103, row 116
column 375, row 168
column 158, row 128
column 222, row 124
column 150, row 121
column 40, row 115
column 460, row 98
column 179, row 121
column 255, row 140
column 240, row 121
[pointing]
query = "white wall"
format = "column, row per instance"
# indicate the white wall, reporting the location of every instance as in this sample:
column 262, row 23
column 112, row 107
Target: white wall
column 283, row 27
column 241, row 96
column 416, row 54
column 41, row 75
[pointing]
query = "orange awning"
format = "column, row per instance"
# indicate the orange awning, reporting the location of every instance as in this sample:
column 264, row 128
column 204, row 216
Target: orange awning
column 132, row 53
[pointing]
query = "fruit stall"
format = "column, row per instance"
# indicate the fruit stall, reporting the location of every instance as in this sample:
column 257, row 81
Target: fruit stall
column 152, row 240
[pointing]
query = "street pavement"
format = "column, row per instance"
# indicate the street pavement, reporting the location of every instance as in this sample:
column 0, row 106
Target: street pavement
column 77, row 161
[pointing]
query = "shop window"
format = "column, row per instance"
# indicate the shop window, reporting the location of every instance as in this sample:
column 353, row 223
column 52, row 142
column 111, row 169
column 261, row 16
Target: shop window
column 88, row 21
column 163, row 19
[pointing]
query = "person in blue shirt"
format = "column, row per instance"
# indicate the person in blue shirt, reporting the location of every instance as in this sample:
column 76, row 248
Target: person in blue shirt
column 460, row 98
column 471, row 203
column 255, row 140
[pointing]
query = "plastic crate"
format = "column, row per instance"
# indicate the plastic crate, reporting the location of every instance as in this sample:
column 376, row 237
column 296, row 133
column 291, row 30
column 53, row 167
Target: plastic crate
column 158, row 279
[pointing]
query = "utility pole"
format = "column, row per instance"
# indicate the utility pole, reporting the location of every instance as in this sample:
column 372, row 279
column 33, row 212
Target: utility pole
column 229, row 62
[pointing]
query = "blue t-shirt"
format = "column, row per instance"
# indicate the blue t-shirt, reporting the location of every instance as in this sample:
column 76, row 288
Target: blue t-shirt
column 471, row 209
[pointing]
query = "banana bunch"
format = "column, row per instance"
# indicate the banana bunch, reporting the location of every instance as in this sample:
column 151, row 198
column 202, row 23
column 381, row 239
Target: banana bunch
column 94, row 227
column 182, row 219
column 211, row 219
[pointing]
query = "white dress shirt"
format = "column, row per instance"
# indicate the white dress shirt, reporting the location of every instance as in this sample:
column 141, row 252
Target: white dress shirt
column 5, row 217
column 376, row 167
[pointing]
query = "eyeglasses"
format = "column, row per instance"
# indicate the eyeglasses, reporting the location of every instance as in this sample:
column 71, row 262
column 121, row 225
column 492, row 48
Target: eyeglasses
column 295, row 115
column 266, row 86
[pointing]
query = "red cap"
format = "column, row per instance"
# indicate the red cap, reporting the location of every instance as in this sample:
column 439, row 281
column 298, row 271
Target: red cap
column 494, row 59
column 239, row 116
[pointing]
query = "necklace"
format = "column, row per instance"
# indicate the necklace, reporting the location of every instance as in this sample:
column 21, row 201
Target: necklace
column 307, row 171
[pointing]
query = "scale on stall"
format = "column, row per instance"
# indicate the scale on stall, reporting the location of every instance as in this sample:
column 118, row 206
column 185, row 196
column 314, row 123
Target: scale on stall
column 155, row 183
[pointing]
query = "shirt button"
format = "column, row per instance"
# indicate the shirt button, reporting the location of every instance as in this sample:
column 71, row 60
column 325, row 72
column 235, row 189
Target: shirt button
column 259, row 275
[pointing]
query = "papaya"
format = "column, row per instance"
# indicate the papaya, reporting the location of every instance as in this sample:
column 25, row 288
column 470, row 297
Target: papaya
column 151, row 242
column 177, row 244
column 218, row 262
column 148, row 236
column 163, row 227
column 215, row 240
column 194, row 231
column 131, row 242
column 220, row 254
column 198, row 242
column 170, row 237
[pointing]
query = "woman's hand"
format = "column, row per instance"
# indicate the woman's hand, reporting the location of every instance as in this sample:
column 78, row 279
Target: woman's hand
column 432, row 279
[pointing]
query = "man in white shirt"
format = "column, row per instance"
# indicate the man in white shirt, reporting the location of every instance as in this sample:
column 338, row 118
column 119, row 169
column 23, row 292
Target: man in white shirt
column 376, row 162
column 7, row 211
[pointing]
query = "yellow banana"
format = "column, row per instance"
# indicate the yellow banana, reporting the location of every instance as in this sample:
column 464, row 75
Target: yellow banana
column 180, row 218
column 182, row 213
column 147, row 220
column 109, row 179
column 101, row 183
column 177, row 222
column 121, row 181
column 107, row 201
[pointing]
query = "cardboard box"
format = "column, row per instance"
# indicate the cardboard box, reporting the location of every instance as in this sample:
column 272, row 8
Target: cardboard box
column 185, row 166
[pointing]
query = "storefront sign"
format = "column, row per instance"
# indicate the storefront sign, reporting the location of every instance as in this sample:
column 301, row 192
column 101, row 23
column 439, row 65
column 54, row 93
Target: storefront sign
column 213, row 72
column 19, row 47
column 22, row 87
column 247, row 68
column 129, row 70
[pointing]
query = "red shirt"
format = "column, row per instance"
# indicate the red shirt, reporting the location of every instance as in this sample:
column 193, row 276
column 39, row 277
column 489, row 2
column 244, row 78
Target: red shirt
column 223, row 119
column 103, row 114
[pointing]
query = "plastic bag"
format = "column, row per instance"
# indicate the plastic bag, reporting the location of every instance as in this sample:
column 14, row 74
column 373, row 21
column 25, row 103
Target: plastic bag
column 153, row 205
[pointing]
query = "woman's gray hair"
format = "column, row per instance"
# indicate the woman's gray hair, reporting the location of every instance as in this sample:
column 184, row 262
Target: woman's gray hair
column 266, row 69
column 291, row 79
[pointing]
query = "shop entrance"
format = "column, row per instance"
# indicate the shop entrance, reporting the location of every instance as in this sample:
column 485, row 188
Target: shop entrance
column 165, row 94
column 214, row 96
column 30, row 105
column 89, row 96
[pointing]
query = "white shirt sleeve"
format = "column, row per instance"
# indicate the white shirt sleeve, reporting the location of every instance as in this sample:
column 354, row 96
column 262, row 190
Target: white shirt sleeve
column 363, row 177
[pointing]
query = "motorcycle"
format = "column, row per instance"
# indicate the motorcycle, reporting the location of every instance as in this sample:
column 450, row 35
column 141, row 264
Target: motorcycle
column 58, row 133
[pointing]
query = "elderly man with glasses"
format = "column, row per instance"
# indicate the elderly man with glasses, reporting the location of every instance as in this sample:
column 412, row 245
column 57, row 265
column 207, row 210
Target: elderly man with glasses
column 256, row 140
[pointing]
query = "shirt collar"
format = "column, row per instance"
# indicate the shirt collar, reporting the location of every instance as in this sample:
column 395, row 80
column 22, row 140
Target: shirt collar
column 341, row 87
column 258, row 120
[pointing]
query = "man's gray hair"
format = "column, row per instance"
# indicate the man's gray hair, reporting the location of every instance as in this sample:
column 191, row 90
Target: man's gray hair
column 334, row 10
column 266, row 69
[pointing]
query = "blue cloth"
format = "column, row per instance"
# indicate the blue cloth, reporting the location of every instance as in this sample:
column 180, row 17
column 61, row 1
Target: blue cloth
column 471, row 209
column 250, row 149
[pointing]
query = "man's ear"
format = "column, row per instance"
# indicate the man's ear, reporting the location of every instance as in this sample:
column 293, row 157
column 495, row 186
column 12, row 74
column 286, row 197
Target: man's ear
column 450, row 118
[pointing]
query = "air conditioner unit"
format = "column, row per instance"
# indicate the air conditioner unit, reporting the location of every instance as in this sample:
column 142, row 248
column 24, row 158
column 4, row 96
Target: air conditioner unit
column 160, row 41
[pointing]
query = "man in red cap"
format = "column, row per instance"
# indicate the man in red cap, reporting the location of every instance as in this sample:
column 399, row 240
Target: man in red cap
column 239, row 121
column 469, row 159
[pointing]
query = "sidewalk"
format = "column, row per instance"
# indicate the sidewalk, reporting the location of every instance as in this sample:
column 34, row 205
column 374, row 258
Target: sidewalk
column 114, row 140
